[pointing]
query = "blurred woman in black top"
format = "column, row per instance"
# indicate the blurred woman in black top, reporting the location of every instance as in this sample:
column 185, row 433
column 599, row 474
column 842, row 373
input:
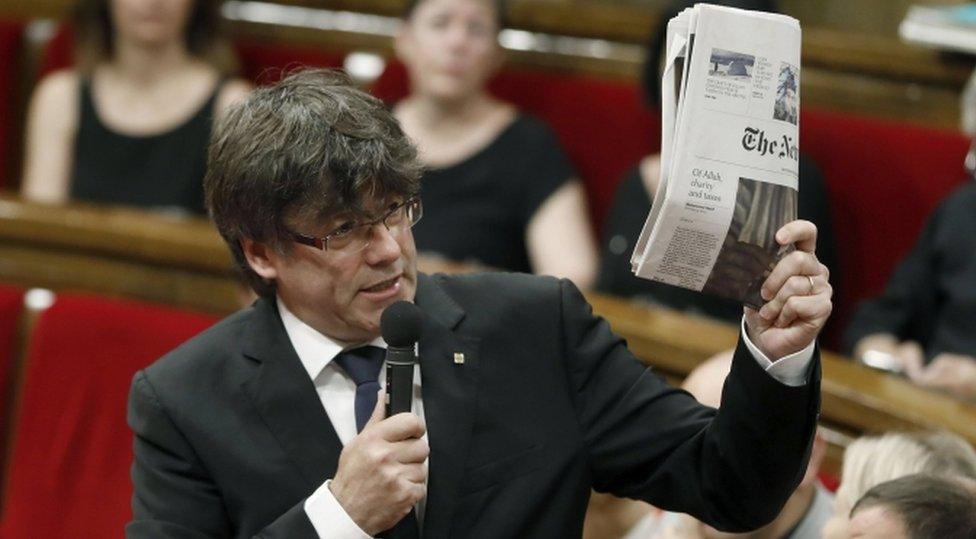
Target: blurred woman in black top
column 498, row 190
column 129, row 123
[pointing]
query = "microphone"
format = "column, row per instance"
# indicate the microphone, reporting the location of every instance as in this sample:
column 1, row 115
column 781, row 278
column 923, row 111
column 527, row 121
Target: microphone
column 400, row 325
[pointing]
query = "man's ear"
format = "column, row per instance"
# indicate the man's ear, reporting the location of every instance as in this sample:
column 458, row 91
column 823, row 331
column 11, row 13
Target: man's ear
column 262, row 258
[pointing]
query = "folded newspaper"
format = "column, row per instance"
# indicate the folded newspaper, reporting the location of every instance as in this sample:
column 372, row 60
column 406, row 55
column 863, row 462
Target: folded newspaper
column 729, row 152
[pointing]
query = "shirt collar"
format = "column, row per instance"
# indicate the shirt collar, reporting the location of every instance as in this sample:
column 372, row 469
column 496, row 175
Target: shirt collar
column 314, row 349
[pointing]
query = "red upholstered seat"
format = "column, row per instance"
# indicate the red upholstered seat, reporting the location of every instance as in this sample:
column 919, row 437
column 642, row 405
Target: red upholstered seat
column 11, row 44
column 829, row 481
column 58, row 52
column 11, row 305
column 884, row 178
column 69, row 469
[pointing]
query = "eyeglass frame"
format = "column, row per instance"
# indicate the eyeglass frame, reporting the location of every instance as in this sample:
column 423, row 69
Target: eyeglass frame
column 322, row 242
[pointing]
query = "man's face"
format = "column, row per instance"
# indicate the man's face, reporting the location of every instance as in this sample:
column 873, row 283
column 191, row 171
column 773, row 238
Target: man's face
column 342, row 293
column 876, row 522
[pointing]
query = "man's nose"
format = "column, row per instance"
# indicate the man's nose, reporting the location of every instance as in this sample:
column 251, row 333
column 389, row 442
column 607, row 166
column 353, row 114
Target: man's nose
column 383, row 247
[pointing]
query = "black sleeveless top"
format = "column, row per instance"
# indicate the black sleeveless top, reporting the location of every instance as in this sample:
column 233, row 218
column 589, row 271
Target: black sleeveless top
column 478, row 210
column 162, row 171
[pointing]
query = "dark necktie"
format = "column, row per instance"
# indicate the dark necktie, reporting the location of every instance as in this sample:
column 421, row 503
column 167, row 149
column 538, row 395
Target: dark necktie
column 363, row 366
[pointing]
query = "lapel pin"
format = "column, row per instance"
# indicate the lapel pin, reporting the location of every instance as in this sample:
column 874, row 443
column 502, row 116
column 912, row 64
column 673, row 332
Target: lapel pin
column 458, row 358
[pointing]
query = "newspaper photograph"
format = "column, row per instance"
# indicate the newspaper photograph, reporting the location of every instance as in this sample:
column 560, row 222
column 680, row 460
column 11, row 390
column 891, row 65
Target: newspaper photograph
column 729, row 152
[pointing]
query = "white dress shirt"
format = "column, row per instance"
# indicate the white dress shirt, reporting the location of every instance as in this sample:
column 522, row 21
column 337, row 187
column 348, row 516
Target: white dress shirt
column 337, row 392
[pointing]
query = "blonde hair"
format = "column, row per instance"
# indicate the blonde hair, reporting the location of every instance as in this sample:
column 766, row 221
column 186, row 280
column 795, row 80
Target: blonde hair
column 871, row 460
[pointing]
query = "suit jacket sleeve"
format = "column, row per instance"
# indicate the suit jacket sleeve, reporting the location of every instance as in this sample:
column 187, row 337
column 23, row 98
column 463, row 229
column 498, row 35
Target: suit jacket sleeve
column 174, row 495
column 733, row 469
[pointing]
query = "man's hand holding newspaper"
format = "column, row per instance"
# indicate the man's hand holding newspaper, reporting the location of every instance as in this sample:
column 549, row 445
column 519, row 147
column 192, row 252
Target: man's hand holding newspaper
column 797, row 294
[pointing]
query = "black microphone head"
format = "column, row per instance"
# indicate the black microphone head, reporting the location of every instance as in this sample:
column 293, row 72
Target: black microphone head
column 400, row 324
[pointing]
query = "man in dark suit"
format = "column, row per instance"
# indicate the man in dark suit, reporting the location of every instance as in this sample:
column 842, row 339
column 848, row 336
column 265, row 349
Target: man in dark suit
column 269, row 425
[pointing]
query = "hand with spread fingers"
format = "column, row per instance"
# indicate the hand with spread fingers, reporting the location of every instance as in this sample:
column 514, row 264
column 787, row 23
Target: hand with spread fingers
column 797, row 294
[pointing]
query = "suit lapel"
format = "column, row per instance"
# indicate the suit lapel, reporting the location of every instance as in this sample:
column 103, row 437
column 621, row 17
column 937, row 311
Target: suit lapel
column 285, row 398
column 449, row 397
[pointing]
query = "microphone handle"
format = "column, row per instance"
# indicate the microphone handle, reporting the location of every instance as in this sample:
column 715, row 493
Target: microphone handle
column 399, row 379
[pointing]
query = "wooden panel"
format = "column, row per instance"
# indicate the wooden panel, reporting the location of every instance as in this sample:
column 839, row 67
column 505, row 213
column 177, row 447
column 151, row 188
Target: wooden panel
column 856, row 398
column 927, row 105
column 878, row 17
column 116, row 232
column 118, row 252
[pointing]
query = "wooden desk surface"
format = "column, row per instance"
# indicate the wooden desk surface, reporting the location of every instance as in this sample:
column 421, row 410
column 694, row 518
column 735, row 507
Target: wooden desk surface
column 855, row 398
column 118, row 252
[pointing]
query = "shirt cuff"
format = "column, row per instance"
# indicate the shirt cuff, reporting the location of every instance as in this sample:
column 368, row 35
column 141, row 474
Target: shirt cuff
column 792, row 370
column 329, row 518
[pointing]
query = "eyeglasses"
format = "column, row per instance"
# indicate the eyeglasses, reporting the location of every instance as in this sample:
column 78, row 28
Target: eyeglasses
column 353, row 236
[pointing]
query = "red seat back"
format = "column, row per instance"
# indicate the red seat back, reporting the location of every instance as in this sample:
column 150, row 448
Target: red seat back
column 58, row 53
column 11, row 45
column 884, row 178
column 829, row 481
column 11, row 305
column 72, row 450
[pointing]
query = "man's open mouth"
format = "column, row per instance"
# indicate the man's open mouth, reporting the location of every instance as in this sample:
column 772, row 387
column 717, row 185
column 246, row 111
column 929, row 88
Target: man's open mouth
column 379, row 287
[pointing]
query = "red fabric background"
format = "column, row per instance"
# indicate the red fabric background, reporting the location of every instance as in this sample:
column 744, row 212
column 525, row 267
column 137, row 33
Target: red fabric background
column 72, row 449
column 884, row 178
column 11, row 305
column 58, row 53
column 11, row 43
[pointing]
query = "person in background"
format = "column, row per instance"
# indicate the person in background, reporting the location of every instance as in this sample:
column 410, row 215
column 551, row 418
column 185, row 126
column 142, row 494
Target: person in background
column 130, row 122
column 498, row 190
column 805, row 512
column 916, row 507
column 635, row 193
column 872, row 460
column 925, row 320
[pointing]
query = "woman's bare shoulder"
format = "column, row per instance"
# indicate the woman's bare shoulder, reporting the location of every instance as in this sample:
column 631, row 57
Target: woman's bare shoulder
column 56, row 97
column 61, row 85
column 231, row 92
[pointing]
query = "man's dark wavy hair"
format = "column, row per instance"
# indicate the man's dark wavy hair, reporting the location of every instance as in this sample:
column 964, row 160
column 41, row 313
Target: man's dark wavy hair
column 304, row 148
